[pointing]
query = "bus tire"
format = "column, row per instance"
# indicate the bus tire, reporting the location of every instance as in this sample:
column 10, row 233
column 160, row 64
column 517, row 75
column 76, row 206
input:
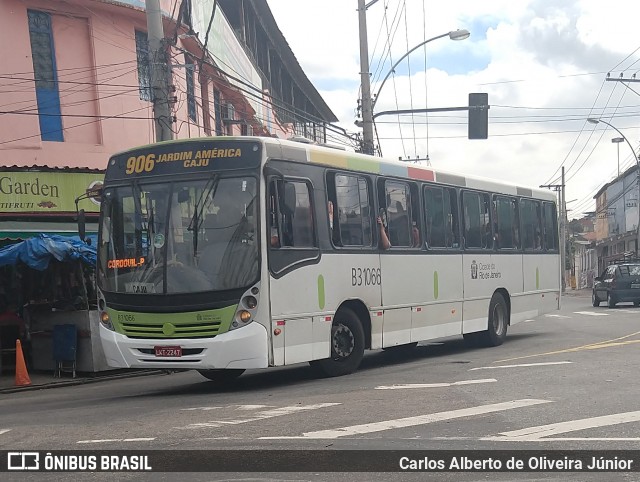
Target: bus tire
column 221, row 376
column 498, row 322
column 347, row 346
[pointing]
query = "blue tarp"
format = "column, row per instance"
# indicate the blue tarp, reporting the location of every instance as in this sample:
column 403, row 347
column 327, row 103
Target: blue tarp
column 37, row 252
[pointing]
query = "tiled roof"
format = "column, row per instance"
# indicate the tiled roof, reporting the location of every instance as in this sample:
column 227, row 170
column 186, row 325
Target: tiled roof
column 35, row 167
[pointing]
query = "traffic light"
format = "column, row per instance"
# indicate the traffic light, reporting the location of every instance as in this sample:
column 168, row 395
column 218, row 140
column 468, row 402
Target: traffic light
column 478, row 116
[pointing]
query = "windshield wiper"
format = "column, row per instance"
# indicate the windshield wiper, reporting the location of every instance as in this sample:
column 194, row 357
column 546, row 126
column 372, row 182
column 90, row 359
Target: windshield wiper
column 196, row 220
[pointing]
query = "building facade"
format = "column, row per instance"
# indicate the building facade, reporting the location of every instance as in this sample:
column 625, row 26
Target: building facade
column 617, row 218
column 76, row 88
column 76, row 85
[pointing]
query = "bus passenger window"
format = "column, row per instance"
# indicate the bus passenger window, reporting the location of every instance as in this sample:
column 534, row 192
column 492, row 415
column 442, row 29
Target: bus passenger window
column 400, row 223
column 550, row 226
column 290, row 215
column 476, row 220
column 352, row 216
column 530, row 216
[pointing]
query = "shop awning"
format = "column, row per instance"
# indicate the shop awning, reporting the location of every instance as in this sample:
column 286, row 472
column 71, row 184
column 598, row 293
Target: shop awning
column 20, row 230
column 38, row 251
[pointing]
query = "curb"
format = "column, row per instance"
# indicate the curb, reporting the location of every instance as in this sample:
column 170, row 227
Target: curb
column 82, row 381
column 578, row 293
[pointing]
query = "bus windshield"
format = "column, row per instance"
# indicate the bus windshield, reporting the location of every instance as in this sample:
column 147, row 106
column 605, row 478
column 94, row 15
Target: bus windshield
column 179, row 237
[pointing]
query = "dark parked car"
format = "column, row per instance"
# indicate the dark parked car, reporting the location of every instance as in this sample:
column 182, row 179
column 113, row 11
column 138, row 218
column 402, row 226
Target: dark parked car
column 619, row 282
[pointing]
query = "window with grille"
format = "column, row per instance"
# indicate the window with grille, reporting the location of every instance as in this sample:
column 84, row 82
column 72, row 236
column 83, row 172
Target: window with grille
column 144, row 73
column 46, row 79
column 191, row 87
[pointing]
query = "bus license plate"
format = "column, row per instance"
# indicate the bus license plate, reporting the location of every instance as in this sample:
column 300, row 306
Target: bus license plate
column 168, row 351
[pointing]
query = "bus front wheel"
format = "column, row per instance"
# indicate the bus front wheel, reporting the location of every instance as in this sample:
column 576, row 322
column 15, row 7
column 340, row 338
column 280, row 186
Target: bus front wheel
column 221, row 376
column 347, row 346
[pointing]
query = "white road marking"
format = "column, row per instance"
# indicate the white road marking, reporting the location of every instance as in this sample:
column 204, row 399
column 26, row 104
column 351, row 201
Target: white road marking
column 413, row 421
column 548, row 439
column 536, row 433
column 252, row 407
column 566, row 439
column 228, row 407
column 592, row 313
column 199, row 408
column 527, row 321
column 145, row 439
column 434, row 385
column 521, row 365
column 4, row 430
column 276, row 412
column 557, row 316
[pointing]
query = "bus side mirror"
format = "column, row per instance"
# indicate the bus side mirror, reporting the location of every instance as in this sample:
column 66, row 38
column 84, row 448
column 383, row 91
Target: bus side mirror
column 82, row 225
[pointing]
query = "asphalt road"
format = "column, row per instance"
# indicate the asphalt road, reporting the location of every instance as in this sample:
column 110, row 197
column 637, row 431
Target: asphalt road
column 562, row 381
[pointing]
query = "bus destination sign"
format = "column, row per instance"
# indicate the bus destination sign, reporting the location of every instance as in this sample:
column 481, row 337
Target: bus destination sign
column 184, row 157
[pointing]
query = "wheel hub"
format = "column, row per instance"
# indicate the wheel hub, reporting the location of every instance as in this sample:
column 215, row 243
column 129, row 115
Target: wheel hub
column 498, row 320
column 343, row 341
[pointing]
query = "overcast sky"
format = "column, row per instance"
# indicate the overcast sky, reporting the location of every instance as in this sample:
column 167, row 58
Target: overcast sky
column 543, row 64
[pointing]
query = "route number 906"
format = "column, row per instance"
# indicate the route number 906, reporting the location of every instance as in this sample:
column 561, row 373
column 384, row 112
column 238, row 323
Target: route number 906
column 140, row 164
column 365, row 276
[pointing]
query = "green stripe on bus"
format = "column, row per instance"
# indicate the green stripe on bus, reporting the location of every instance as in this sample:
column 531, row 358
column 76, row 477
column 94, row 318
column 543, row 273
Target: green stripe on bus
column 321, row 292
column 435, row 285
column 537, row 278
column 363, row 164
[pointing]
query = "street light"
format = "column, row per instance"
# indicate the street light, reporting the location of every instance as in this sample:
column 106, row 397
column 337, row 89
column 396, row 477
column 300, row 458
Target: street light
column 597, row 121
column 460, row 34
column 618, row 140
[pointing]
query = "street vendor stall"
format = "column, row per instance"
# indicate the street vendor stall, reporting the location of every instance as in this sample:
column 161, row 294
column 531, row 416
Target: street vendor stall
column 49, row 281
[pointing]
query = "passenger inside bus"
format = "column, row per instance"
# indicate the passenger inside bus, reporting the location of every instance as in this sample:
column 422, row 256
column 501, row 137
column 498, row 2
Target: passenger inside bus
column 415, row 234
column 384, row 239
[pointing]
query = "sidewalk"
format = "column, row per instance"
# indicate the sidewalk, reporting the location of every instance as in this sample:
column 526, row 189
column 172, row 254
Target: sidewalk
column 45, row 379
column 584, row 293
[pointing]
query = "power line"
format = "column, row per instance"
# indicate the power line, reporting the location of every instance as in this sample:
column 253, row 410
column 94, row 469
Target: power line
column 117, row 116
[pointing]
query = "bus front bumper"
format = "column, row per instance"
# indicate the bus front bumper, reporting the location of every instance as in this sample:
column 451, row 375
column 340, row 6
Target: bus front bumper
column 246, row 347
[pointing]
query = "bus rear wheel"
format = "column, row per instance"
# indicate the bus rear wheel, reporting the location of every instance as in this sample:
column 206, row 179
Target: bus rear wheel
column 498, row 322
column 347, row 346
column 221, row 376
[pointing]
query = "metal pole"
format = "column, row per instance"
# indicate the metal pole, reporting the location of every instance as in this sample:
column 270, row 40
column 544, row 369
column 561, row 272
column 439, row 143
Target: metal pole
column 159, row 72
column 400, row 60
column 563, row 233
column 365, row 82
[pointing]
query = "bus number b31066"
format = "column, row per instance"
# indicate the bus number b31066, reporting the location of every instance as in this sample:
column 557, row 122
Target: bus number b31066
column 365, row 276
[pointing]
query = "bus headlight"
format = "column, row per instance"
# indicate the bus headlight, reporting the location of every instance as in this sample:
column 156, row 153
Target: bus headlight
column 105, row 319
column 244, row 316
column 250, row 302
column 247, row 308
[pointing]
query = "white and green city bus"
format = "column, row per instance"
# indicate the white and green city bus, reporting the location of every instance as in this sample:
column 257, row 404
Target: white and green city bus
column 223, row 254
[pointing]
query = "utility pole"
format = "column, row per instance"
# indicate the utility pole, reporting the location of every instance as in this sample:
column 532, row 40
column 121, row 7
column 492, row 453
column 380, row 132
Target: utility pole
column 365, row 81
column 159, row 72
column 563, row 233
column 622, row 79
column 559, row 188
